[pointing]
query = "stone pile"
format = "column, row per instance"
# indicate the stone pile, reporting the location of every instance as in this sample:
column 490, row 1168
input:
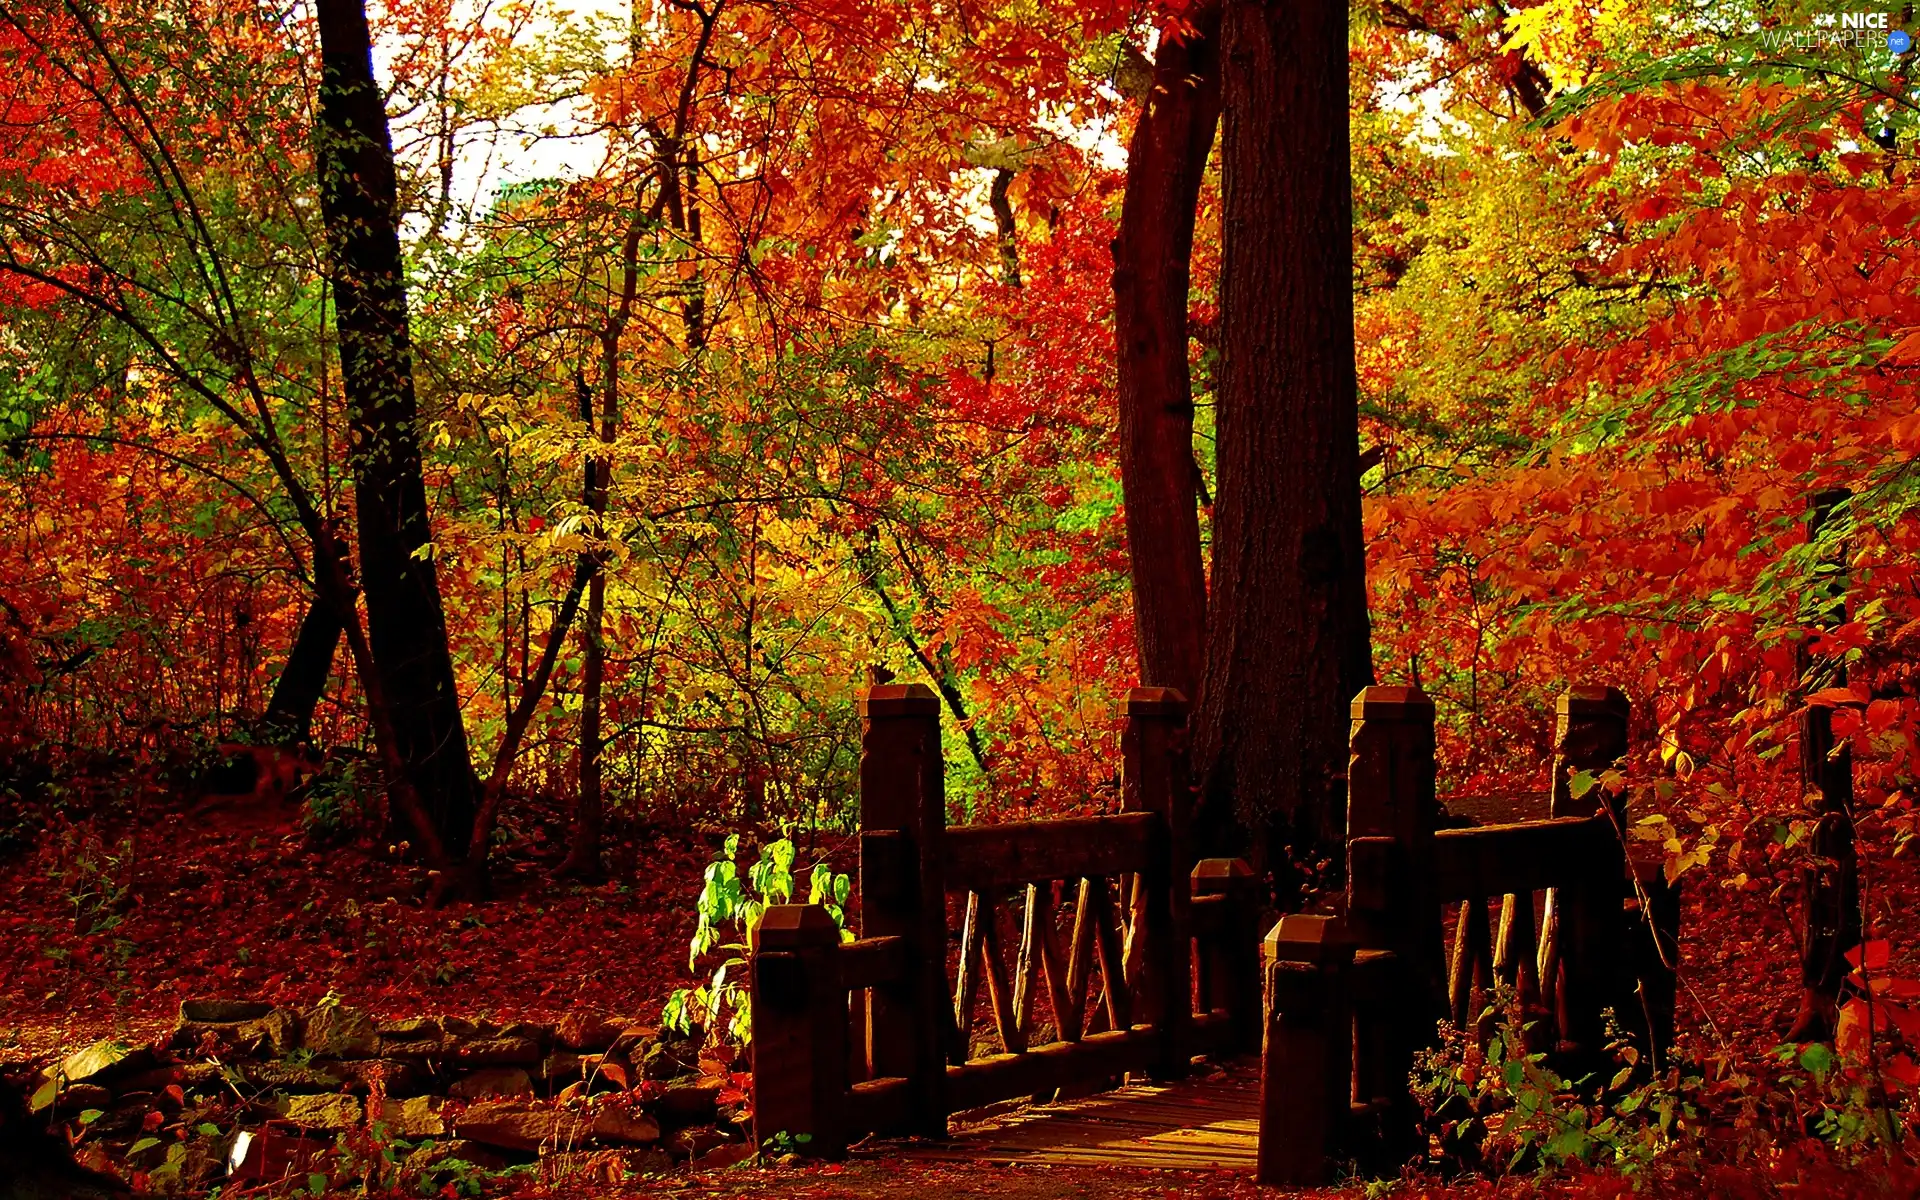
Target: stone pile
column 254, row 1091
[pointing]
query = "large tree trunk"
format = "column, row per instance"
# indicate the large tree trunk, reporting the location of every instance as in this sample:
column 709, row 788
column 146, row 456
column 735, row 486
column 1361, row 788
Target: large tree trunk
column 406, row 627
column 1287, row 637
column 1158, row 478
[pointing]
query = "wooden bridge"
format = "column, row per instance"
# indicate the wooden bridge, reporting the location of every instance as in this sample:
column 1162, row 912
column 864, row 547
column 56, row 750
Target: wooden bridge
column 1151, row 961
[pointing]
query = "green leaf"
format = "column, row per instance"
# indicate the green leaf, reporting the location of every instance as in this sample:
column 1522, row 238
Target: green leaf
column 207, row 1129
column 143, row 1145
column 317, row 1183
column 1816, row 1059
column 89, row 1116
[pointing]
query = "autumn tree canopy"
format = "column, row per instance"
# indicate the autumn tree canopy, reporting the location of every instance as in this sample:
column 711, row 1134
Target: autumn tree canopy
column 748, row 347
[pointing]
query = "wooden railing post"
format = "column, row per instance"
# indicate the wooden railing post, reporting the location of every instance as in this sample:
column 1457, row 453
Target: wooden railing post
column 1232, row 961
column 1391, row 814
column 903, row 816
column 1582, row 955
column 1306, row 1060
column 1153, row 777
column 799, row 1029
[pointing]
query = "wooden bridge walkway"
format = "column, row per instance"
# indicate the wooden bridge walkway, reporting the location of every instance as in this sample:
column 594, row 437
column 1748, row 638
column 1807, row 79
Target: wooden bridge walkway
column 1206, row 1123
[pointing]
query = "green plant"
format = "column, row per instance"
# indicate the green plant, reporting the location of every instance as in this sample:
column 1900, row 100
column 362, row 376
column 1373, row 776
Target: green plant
column 1499, row 1108
column 730, row 908
column 784, row 1143
column 1854, row 1095
column 335, row 801
column 94, row 877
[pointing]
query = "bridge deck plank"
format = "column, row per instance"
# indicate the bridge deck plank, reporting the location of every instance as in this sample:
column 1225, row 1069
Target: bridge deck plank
column 1202, row 1124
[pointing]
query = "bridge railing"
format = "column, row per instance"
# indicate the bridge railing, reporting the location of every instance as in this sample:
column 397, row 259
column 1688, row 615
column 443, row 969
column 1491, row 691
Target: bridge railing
column 1348, row 1000
column 877, row 1035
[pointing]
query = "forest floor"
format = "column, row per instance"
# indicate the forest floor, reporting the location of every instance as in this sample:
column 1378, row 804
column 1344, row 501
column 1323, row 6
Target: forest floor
column 242, row 904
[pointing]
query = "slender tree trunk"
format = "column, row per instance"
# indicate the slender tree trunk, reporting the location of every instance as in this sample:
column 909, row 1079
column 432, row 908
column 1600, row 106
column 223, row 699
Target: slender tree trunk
column 289, row 715
column 583, row 855
column 1287, row 639
column 1000, row 200
column 589, row 816
column 1830, row 916
column 407, row 632
column 1165, row 164
column 303, row 681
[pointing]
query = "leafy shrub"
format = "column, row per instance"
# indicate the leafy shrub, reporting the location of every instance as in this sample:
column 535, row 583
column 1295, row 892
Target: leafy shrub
column 730, row 908
column 336, row 799
column 94, row 877
column 1501, row 1109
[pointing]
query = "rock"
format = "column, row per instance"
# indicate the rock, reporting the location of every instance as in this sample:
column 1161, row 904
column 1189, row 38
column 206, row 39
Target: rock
column 648, row 1162
column 464, row 1027
column 496, row 1052
column 669, row 1060
column 584, row 1166
column 561, row 1068
column 515, row 1125
column 601, row 1072
column 694, row 1142
column 491, row 1083
column 332, row 1113
column 289, row 1077
column 277, row 1033
column 220, row 1019
column 73, row 1098
column 730, row 1155
column 628, row 1126
column 589, row 1032
column 416, row 1049
column 464, row 1149
column 718, row 1060
column 101, row 1061
column 222, row 1012
column 409, row 1029
column 412, row 1119
column 274, row 1155
column 158, row 1079
column 337, row 1031
column 605, row 1073
column 192, row 1076
column 389, row 1077
column 533, row 1031
column 689, row 1103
